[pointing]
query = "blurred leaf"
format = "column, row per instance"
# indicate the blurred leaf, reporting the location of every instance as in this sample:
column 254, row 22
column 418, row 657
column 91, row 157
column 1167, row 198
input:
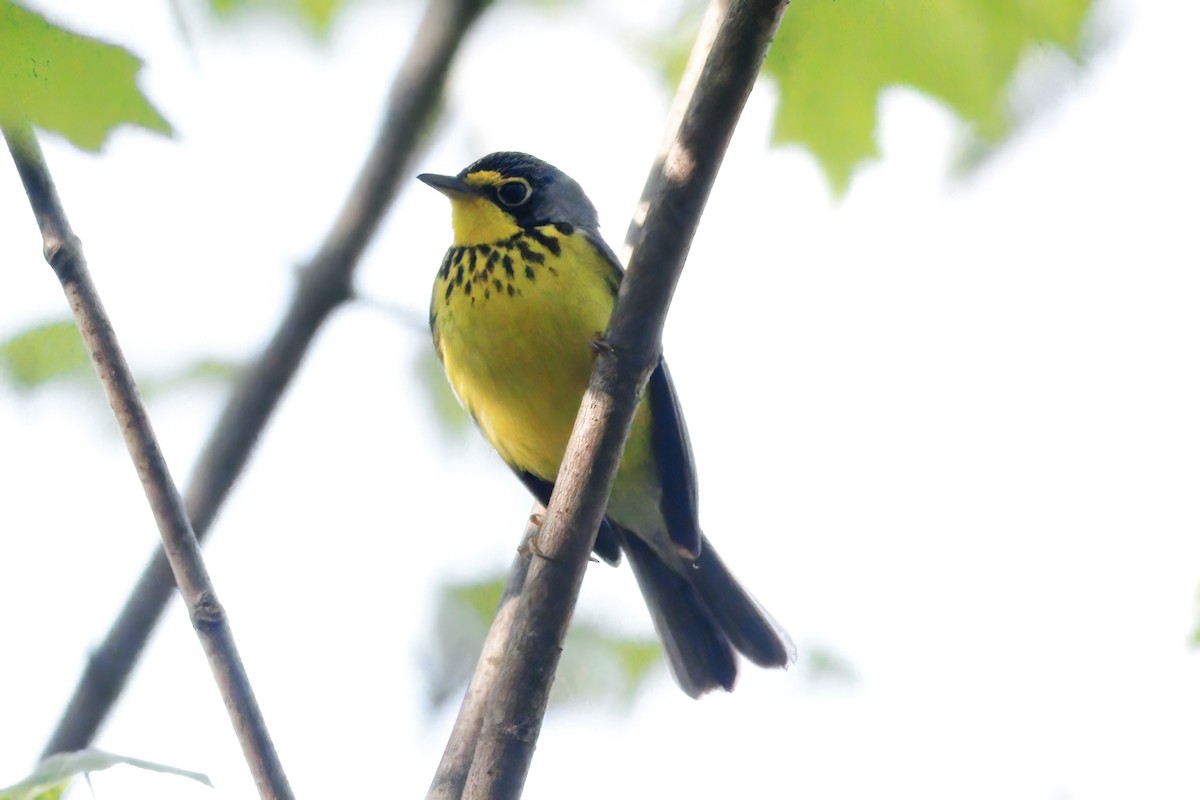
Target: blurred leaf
column 316, row 15
column 825, row 666
column 201, row 373
column 597, row 666
column 51, row 777
column 1044, row 77
column 480, row 599
column 1196, row 632
column 832, row 59
column 600, row 666
column 451, row 417
column 461, row 619
column 41, row 792
column 446, row 409
column 551, row 5
column 47, row 352
column 671, row 50
column 70, row 84
column 53, row 352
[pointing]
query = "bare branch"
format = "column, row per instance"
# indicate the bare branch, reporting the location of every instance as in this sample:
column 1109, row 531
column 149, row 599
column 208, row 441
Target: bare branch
column 323, row 286
column 681, row 181
column 452, row 772
column 65, row 255
column 714, row 15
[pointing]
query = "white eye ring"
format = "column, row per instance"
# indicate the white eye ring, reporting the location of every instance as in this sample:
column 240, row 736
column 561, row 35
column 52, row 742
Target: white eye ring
column 514, row 192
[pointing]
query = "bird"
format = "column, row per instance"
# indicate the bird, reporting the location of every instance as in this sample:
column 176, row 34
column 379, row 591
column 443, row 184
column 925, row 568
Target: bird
column 519, row 307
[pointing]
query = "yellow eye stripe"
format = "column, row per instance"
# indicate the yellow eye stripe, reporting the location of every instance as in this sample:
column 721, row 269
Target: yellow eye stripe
column 484, row 178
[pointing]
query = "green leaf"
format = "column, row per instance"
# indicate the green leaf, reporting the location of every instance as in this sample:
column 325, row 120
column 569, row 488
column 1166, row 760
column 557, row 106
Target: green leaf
column 53, row 352
column 832, row 58
column 51, row 777
column 825, row 666
column 199, row 373
column 316, row 15
column 446, row 408
column 480, row 599
column 49, row 352
column 70, row 84
column 598, row 665
column 1195, row 641
column 464, row 612
column 43, row 792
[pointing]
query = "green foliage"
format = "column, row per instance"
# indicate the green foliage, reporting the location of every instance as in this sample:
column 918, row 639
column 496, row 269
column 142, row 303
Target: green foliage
column 66, row 83
column 50, row 779
column 597, row 665
column 52, row 353
column 451, row 417
column 825, row 666
column 48, row 352
column 832, row 58
column 201, row 372
column 479, row 599
column 316, row 15
column 461, row 619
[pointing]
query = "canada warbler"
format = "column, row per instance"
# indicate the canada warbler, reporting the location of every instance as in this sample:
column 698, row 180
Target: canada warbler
column 520, row 299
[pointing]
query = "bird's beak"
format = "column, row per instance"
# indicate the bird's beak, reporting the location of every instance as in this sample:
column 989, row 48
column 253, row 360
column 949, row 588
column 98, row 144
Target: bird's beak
column 448, row 185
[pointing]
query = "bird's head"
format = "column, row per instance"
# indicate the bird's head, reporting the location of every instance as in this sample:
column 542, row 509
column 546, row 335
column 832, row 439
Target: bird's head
column 503, row 193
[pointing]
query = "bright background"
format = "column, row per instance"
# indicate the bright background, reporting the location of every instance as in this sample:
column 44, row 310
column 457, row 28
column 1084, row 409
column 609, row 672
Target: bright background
column 946, row 429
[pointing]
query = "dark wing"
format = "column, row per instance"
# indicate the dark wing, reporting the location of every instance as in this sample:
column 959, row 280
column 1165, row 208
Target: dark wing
column 676, row 470
column 672, row 447
column 607, row 545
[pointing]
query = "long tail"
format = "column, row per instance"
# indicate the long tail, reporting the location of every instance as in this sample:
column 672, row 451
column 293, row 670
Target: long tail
column 701, row 614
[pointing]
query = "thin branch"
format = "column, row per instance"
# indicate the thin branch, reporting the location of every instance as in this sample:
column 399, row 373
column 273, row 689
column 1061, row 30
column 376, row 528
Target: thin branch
column 451, row 774
column 688, row 169
column 65, row 255
column 714, row 16
column 325, row 283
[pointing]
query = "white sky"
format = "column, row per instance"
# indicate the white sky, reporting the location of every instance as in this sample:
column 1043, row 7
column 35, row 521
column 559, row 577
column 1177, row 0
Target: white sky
column 948, row 430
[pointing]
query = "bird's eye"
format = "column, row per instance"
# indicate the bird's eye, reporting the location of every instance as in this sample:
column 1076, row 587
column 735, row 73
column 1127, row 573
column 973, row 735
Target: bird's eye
column 514, row 192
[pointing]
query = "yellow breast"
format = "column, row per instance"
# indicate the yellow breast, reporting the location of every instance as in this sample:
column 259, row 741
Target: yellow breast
column 514, row 321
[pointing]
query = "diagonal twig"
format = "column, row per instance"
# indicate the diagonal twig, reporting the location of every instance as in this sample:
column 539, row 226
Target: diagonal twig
column 324, row 284
column 674, row 197
column 65, row 255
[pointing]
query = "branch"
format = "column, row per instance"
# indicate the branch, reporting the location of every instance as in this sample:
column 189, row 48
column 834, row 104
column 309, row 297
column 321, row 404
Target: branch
column 681, row 180
column 689, row 82
column 65, row 255
column 451, row 774
column 323, row 286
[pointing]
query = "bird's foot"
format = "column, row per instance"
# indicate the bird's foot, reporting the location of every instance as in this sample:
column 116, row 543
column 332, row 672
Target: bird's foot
column 530, row 546
column 600, row 345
